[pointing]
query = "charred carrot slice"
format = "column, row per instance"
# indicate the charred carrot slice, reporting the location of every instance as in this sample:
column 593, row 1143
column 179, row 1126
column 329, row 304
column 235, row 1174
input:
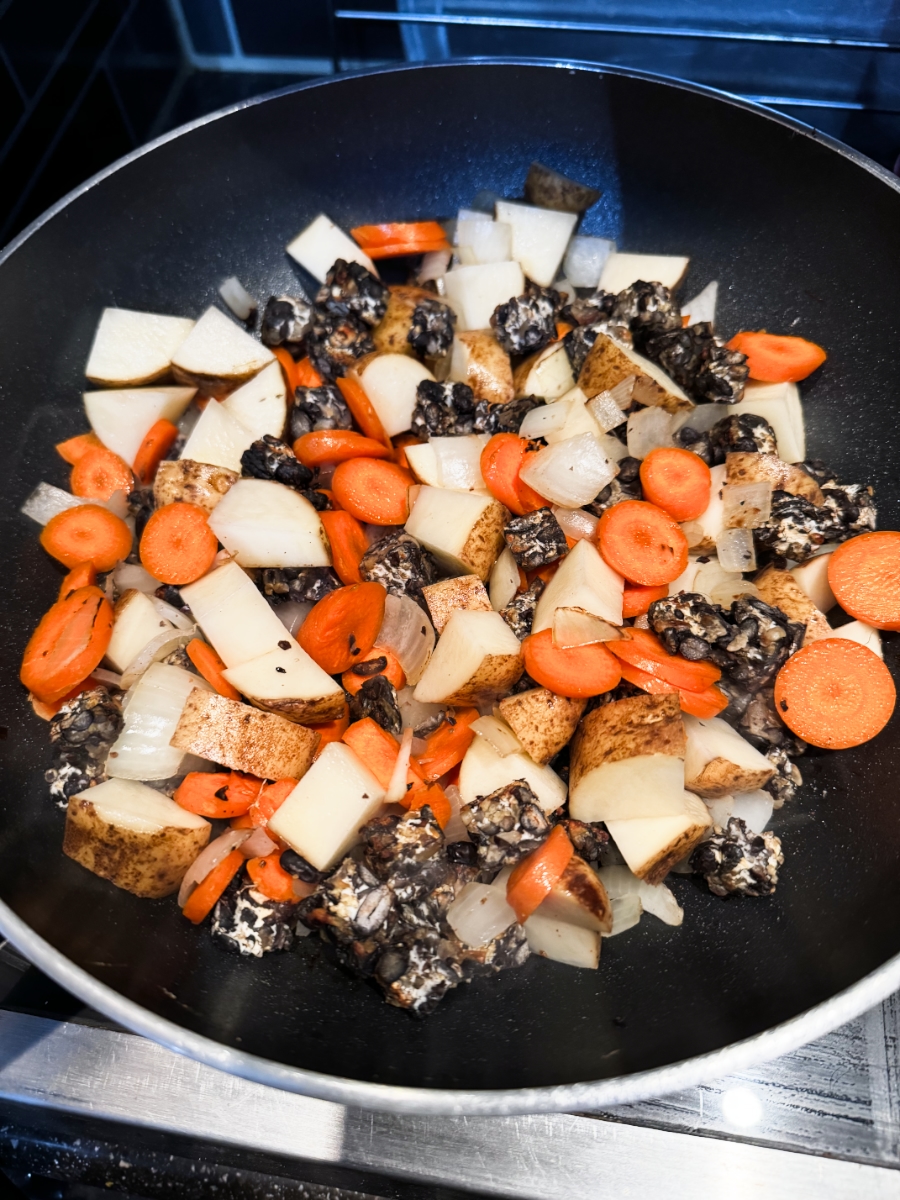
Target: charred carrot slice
column 68, row 644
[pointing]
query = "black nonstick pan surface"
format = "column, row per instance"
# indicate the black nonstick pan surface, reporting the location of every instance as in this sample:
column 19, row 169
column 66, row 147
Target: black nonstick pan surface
column 803, row 236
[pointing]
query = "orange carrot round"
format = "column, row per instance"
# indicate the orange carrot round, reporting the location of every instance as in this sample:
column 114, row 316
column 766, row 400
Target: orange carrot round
column 160, row 439
column 361, row 409
column 706, row 703
column 177, row 545
column 209, row 795
column 677, row 481
column 864, row 575
column 81, row 575
column 835, row 694
column 644, row 650
column 288, row 367
column 642, row 542
column 211, row 667
column 343, row 626
column 373, row 490
column 306, row 374
column 348, row 544
column 447, row 745
column 202, row 899
column 88, row 533
column 436, row 799
column 353, row 679
column 68, row 643
column 573, row 671
column 336, row 446
column 534, row 877
column 501, row 461
column 270, row 878
column 399, row 237
column 636, row 599
column 76, row 447
column 776, row 358
column 99, row 473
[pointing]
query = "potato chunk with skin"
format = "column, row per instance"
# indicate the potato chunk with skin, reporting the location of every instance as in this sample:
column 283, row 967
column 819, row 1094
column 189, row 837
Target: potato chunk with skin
column 480, row 361
column 463, row 530
column 651, row 846
column 391, row 335
column 477, row 659
column 289, row 682
column 719, row 762
column 134, row 836
column 192, row 483
column 542, row 721
column 447, row 596
column 781, row 590
column 610, row 362
column 243, row 738
column 547, row 374
column 744, row 467
column 579, row 898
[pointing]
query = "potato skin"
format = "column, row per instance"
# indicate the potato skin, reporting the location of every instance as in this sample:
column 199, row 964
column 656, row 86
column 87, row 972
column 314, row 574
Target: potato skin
column 607, row 364
column 721, row 778
column 625, row 729
column 447, row 596
column 485, row 540
column 304, row 712
column 542, row 721
column 489, row 372
column 391, row 334
column 658, row 867
column 745, row 467
column 192, row 482
column 579, row 884
column 151, row 865
column 496, row 674
column 781, row 590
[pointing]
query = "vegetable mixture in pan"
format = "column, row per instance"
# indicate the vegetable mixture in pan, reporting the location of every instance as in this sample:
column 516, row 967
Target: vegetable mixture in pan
column 447, row 617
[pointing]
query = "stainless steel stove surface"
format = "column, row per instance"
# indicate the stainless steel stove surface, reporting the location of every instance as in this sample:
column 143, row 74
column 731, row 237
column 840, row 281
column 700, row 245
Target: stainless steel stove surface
column 88, row 1109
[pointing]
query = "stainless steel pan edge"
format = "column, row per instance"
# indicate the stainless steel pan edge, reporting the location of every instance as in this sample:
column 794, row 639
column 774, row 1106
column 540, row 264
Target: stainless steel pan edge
column 779, row 1040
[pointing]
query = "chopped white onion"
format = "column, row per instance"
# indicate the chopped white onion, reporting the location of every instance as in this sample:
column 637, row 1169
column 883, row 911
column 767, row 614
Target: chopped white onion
column 720, row 586
column 546, row 418
column 753, row 808
column 103, row 676
column 626, row 913
column 258, row 844
column 504, row 579
column 498, row 734
column 479, row 914
column 649, row 429
column 747, row 505
column 414, row 712
column 396, row 788
column 656, row 899
column 735, row 550
column 237, row 298
column 208, row 859
column 571, row 473
column 576, row 523
column 702, row 307
column 586, row 258
column 46, row 501
column 459, row 461
column 605, row 411
column 152, row 708
column 702, row 418
column 614, row 450
column 408, row 633
column 292, row 614
column 434, row 265
column 156, row 649
column 576, row 627
column 172, row 614
column 132, row 575
column 117, row 505
column 455, row 830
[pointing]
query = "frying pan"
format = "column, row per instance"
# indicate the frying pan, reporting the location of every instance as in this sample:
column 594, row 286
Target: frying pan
column 804, row 237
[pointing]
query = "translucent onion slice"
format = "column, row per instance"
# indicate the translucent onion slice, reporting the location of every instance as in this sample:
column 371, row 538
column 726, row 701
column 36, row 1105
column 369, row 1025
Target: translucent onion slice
column 117, row 505
column 712, row 581
column 626, row 913
column 132, row 575
column 109, row 677
column 408, row 633
column 753, row 808
column 576, row 523
column 546, row 418
column 459, row 461
column 156, row 649
column 46, row 501
column 172, row 614
column 571, row 473
column 396, row 789
column 479, row 914
column 747, row 505
column 455, row 830
column 620, row 882
column 434, row 265
column 735, row 550
column 208, row 859
column 606, row 411
column 292, row 614
column 649, row 429
column 238, row 299
column 575, row 627
column 504, row 580
column 258, row 844
column 414, row 712
column 497, row 734
column 694, row 532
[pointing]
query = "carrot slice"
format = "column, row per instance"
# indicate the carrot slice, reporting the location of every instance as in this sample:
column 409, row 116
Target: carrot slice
column 288, row 367
column 435, row 798
column 348, row 544
column 270, row 878
column 864, row 575
column 177, row 545
column 244, row 822
column 343, row 626
column 373, row 490
column 652, row 684
column 203, row 898
column 706, row 703
column 644, row 650
column 99, row 473
column 533, row 878
column 160, row 439
column 76, row 447
column 48, row 711
column 87, row 533
column 382, row 662
column 562, row 328
column 81, row 575
column 307, row 375
column 636, row 599
column 777, row 358
column 386, row 241
column 331, row 731
column 574, row 671
column 337, row 446
column 642, row 542
column 362, row 410
column 211, row 667
column 270, row 799
column 69, row 642
column 447, row 745
column 378, row 750
column 218, row 795
column 677, row 481
column 501, row 461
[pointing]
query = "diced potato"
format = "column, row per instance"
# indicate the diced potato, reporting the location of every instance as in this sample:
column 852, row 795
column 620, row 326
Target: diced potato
column 136, row 623
column 234, row 615
column 266, row 524
column 448, row 596
column 483, row 770
column 424, row 463
column 192, row 482
column 781, row 590
column 321, row 244
column 622, row 270
column 539, row 238
column 463, row 530
column 143, row 749
column 561, row 942
column 390, row 381
column 260, row 404
column 779, row 404
column 813, row 578
column 610, row 362
column 243, row 738
column 542, row 721
column 122, row 419
column 391, row 334
column 651, row 846
column 703, row 532
column 477, row 659
column 547, row 374
column 584, row 581
column 719, row 762
column 289, row 682
column 218, row 439
column 859, row 631
column 474, row 292
column 322, row 816
column 219, row 354
column 134, row 836
column 743, row 467
column 479, row 360
column 628, row 761
column 131, row 348
column 578, row 898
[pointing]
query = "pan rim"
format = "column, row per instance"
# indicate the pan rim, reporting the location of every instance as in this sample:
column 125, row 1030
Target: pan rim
column 584, row 1096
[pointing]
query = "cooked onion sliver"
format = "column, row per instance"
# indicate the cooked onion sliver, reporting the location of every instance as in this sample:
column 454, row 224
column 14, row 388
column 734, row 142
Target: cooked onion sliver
column 208, row 859
column 408, row 633
column 649, row 429
column 132, row 575
column 576, row 523
column 626, row 913
column 747, row 505
column 117, row 505
column 157, row 649
column 173, row 615
column 656, row 899
column 575, row 627
column 459, row 461
column 479, row 914
column 735, row 550
column 434, row 265
column 414, row 712
column 237, row 298
column 109, row 677
column 570, row 473
column 504, row 580
column 498, row 734
column 396, row 789
column 455, row 830
column 258, row 844
column 606, row 411
column 546, row 418
column 292, row 614
column 46, row 501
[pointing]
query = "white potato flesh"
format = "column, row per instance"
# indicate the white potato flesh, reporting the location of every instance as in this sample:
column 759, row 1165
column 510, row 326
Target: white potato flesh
column 584, row 581
column 710, row 738
column 217, row 347
column 390, row 382
column 647, row 842
column 322, row 816
column 706, row 529
column 547, row 421
column 137, row 622
column 321, row 244
column 571, row 472
column 154, row 706
column 702, row 307
column 480, row 240
column 859, row 631
column 234, row 615
column 647, row 785
column 562, row 942
column 260, row 404
column 504, row 580
column 474, row 292
column 539, row 238
column 585, row 259
column 218, row 439
column 122, row 418
column 134, row 347
column 130, row 805
column 281, row 676
column 442, row 521
column 266, row 524
column 813, row 579
column 780, row 404
column 622, row 270
column 551, row 375
column 470, row 640
column 423, row 461
column 483, row 770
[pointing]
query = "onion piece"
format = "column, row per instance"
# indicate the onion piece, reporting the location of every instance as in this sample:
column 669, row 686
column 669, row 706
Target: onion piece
column 649, row 429
column 408, row 633
column 258, row 844
column 504, row 579
column 546, row 418
column 479, row 914
column 576, row 523
column 459, row 461
column 434, row 265
column 414, row 712
column 112, row 678
column 172, row 614
column 586, row 258
column 702, row 307
column 753, row 808
column 712, row 581
column 208, row 859
column 606, row 411
column 132, row 575
column 576, row 627
column 570, row 473
column 237, row 298
column 656, row 899
column 292, row 614
column 455, row 830
column 626, row 913
column 156, row 649
column 735, row 550
column 497, row 734
column 747, row 505
column 117, row 505
column 46, row 501
column 396, row 789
